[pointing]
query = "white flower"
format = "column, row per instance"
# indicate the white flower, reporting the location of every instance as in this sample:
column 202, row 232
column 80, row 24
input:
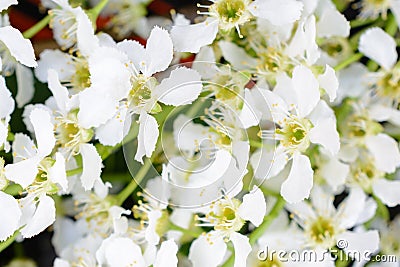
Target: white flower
column 166, row 256
column 381, row 47
column 323, row 225
column 12, row 214
column 302, row 119
column 16, row 54
column 232, row 14
column 71, row 136
column 14, row 48
column 28, row 157
column 65, row 22
column 119, row 252
column 227, row 216
column 181, row 87
column 6, row 108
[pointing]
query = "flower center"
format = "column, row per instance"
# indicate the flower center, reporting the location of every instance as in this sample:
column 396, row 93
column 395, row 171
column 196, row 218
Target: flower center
column 3, row 180
column 81, row 78
column 364, row 172
column 293, row 134
column 271, row 61
column 223, row 216
column 69, row 134
column 373, row 8
column 322, row 231
column 389, row 86
column 8, row 61
column 230, row 13
column 140, row 93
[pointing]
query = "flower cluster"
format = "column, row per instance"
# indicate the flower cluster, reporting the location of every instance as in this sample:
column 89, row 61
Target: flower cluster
column 261, row 123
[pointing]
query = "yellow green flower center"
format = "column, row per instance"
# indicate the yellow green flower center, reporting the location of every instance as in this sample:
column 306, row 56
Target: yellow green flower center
column 293, row 134
column 322, row 231
column 389, row 86
column 69, row 134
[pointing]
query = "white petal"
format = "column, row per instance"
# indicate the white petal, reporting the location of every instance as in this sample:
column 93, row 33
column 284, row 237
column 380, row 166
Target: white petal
column 241, row 247
column 150, row 232
column 23, row 172
column 190, row 38
column 44, row 131
column 361, row 242
column 11, row 215
column 114, row 130
column 334, row 172
column 350, row 209
column 134, row 50
column 273, row 10
column 90, row 115
column 19, row 47
column 91, row 165
column 26, row 89
column 249, row 115
column 300, row 180
column 57, row 173
column 325, row 134
column 158, row 58
column 329, row 82
column 321, row 112
column 166, row 256
column 332, row 23
column 107, row 66
column 60, row 92
column 6, row 100
column 182, row 87
column 23, row 147
column 395, row 8
column 147, row 137
column 43, row 217
column 387, row 191
column 87, row 42
column 214, row 248
column 267, row 164
column 237, row 56
column 379, row 46
column 385, row 151
column 307, row 90
column 368, row 212
column 253, row 207
column 5, row 4
column 119, row 251
column 61, row 62
column 302, row 209
column 3, row 133
column 61, row 263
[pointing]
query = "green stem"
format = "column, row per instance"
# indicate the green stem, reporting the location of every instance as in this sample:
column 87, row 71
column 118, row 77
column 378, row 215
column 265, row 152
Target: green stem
column 175, row 227
column 95, row 11
column 9, row 241
column 259, row 231
column 382, row 210
column 74, row 171
column 348, row 61
column 359, row 23
column 128, row 190
column 391, row 26
column 256, row 144
column 32, row 31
